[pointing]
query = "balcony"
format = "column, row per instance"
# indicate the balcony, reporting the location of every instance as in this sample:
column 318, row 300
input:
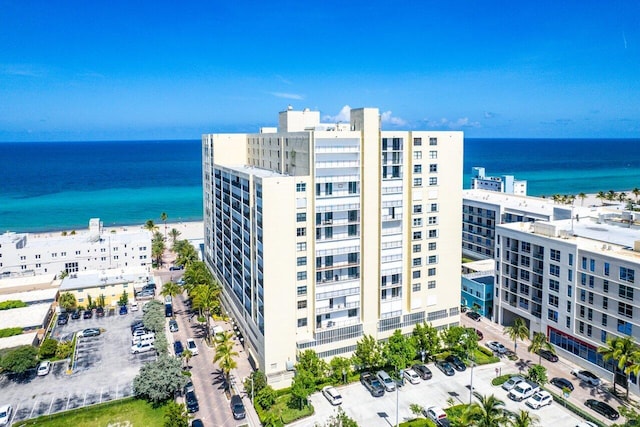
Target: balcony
column 329, row 324
column 338, row 307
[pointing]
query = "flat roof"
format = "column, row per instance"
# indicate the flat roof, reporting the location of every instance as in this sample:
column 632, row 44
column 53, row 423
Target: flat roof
column 40, row 281
column 91, row 279
column 31, row 296
column 256, row 171
column 26, row 317
column 18, row 340
column 483, row 265
column 515, row 202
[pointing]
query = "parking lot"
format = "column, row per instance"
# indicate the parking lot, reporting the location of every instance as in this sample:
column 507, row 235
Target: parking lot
column 103, row 370
column 381, row 411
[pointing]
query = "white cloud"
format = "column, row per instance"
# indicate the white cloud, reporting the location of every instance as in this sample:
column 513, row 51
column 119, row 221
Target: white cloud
column 444, row 123
column 287, row 95
column 489, row 115
column 343, row 116
column 23, row 70
column 386, row 117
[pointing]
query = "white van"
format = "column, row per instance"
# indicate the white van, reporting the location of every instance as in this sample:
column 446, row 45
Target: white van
column 134, row 306
column 143, row 339
column 142, row 347
column 388, row 383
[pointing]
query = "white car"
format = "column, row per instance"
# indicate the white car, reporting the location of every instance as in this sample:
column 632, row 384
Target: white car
column 142, row 347
column 497, row 347
column 437, row 415
column 512, row 382
column 411, row 376
column 540, row 399
column 332, row 395
column 586, row 424
column 191, row 345
column 134, row 306
column 5, row 414
column 587, row 377
column 44, row 368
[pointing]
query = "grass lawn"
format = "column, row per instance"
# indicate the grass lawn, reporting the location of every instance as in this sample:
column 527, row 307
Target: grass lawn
column 127, row 412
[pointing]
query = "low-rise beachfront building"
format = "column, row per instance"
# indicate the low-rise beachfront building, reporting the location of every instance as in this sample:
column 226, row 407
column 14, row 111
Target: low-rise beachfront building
column 573, row 280
column 321, row 233
column 482, row 210
column 502, row 184
column 93, row 249
column 89, row 286
column 477, row 286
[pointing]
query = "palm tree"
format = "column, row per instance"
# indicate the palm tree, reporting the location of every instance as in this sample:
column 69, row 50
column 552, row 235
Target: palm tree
column 488, row 412
column 67, row 301
column 171, row 289
column 174, row 234
column 523, row 419
column 187, row 355
column 225, row 355
column 636, row 193
column 163, row 218
column 206, row 298
column 611, row 195
column 149, row 225
column 622, row 196
column 540, row 342
column 624, row 351
column 582, row 196
column 517, row 331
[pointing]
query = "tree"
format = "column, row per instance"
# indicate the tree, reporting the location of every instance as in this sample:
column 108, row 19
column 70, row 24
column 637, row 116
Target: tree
column 416, row 409
column 163, row 218
column 176, row 415
column 340, row 419
column 196, row 274
column 67, row 301
column 523, row 419
column 90, row 303
column 187, row 355
column 517, row 331
column 154, row 319
column 582, row 196
column 488, row 412
column 399, row 351
column 257, row 380
column 149, row 225
column 540, row 342
column 624, row 351
column 206, row 298
column 266, row 397
column 159, row 380
column 537, row 374
column 611, row 195
column 622, row 196
column 225, row 354
column 340, row 369
column 452, row 337
column 20, row 359
column 174, row 234
column 636, row 193
column 171, row 289
column 601, row 196
column 368, row 353
column 124, row 298
column 303, row 385
column 309, row 361
column 64, row 349
column 48, row 348
column 185, row 253
column 426, row 339
column 101, row 300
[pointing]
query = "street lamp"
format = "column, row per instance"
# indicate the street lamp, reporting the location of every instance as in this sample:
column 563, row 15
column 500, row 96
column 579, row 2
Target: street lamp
column 344, row 376
column 422, row 355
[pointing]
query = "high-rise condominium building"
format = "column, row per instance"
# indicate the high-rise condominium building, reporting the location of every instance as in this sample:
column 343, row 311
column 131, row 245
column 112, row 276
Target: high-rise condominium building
column 322, row 233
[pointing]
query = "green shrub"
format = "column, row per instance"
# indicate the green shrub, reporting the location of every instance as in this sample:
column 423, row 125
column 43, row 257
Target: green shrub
column 485, row 351
column 501, row 379
column 64, row 349
column 6, row 305
column 48, row 348
column 9, row 332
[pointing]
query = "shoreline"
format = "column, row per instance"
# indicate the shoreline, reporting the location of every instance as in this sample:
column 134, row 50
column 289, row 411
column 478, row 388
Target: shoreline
column 190, row 230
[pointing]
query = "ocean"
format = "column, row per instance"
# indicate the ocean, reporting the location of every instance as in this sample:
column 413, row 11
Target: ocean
column 60, row 185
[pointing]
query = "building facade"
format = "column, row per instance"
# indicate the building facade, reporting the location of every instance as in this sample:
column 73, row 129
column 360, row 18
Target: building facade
column 93, row 249
column 574, row 280
column 322, row 233
column 502, row 184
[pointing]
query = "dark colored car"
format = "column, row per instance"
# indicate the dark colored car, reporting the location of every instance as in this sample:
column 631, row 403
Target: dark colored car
column 168, row 310
column 123, row 309
column 192, row 401
column 176, row 267
column 88, row 314
column 90, row 332
column 197, row 423
column 602, row 408
column 473, row 316
column 479, row 334
column 178, row 348
column 457, row 363
column 75, row 315
column 99, row 312
column 63, row 318
column 546, row 354
column 237, row 407
column 173, row 325
column 423, row 371
column 372, row 384
column 446, row 368
column 136, row 325
column 562, row 383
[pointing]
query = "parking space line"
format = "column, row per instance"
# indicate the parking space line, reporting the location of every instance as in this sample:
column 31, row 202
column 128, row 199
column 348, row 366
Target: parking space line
column 66, row 408
column 50, row 405
column 34, row 407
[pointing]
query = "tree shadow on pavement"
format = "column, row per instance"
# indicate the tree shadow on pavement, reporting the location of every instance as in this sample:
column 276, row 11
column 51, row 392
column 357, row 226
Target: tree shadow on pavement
column 522, row 364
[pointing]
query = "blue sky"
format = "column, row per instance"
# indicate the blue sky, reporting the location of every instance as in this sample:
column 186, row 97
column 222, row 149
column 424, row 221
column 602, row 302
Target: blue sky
column 145, row 70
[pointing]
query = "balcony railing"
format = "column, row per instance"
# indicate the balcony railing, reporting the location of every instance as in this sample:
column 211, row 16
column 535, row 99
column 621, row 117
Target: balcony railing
column 338, row 307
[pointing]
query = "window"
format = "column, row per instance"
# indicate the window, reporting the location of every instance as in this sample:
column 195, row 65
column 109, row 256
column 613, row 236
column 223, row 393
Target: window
column 525, row 247
column 417, row 209
column 625, row 310
column 302, row 290
column 302, row 275
column 328, row 188
column 433, row 220
column 302, row 304
column 417, row 155
column 568, row 306
column 583, row 295
column 605, row 286
column 301, row 217
column 590, row 314
column 554, row 285
column 627, row 274
column 433, row 141
column 302, row 260
column 553, row 300
column 433, row 167
column 431, row 272
column 353, row 187
column 554, row 270
column 417, row 235
column 625, row 292
column 569, row 291
column 433, row 259
column 417, row 168
column 432, row 246
column 433, row 233
column 433, row 154
column 417, row 222
column 555, row 255
column 570, row 275
column 417, row 262
column 552, row 315
column 417, row 248
column 571, row 259
column 416, row 287
column 603, row 336
column 568, row 322
column 417, row 182
column 431, row 284
column 606, row 268
column 301, row 187
column 605, row 303
column 415, row 274
column 589, row 329
column 433, row 180
column 302, row 246
column 592, row 265
column 584, row 263
column 417, row 142
column 624, row 327
column 434, row 207
column 590, row 298
column 302, row 322
column 605, row 319
column 301, row 231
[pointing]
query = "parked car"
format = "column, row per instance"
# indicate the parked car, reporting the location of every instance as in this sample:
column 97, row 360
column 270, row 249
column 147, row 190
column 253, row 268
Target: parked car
column 423, row 370
column 540, row 399
column 473, row 316
column 44, row 368
column 197, row 423
column 192, row 401
column 134, row 306
column 586, row 424
column 523, row 390
column 332, row 395
column 137, row 324
column 237, row 407
column 90, row 332
column 411, row 376
column 372, row 384
column 188, row 387
column 512, row 382
column 386, row 381
column 175, row 267
column 546, row 354
column 123, row 309
column 477, row 332
column 437, row 415
column 602, row 408
column 75, row 315
column 496, row 347
column 63, row 318
column 191, row 345
column 88, row 314
column 446, row 368
column 5, row 414
column 586, row 376
column 562, row 383
column 142, row 347
column 173, row 325
column 457, row 363
column 100, row 312
column 178, row 348
column 139, row 332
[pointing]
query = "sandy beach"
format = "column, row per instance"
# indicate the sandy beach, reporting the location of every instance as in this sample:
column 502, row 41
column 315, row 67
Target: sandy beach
column 190, row 230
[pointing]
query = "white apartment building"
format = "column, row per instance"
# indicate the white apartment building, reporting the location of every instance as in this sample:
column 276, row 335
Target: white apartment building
column 574, row 280
column 502, row 184
column 320, row 233
column 93, row 249
column 482, row 210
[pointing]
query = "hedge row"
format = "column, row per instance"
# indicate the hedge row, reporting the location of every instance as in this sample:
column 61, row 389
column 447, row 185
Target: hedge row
column 9, row 304
column 9, row 332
